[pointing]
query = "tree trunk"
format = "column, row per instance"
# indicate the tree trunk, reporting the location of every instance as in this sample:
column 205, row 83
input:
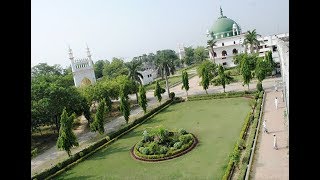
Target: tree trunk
column 224, row 90
column 167, row 85
column 187, row 93
column 206, row 92
column 248, row 86
column 57, row 123
column 137, row 97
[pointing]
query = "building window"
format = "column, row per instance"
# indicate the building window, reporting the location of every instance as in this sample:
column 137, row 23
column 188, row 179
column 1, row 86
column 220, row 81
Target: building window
column 214, row 54
column 274, row 48
column 222, row 35
column 265, row 46
column 234, row 42
column 224, row 53
column 234, row 51
column 224, row 63
column 222, row 44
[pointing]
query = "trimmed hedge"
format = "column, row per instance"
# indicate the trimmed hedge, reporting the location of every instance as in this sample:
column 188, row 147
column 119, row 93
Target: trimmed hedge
column 245, row 126
column 248, row 151
column 230, row 94
column 59, row 168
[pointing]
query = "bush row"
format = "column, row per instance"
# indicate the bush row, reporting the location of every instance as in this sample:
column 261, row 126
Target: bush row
column 230, row 94
column 248, row 151
column 92, row 148
column 246, row 124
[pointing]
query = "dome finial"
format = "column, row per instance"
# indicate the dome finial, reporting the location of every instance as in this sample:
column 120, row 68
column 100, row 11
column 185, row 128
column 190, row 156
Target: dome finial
column 221, row 13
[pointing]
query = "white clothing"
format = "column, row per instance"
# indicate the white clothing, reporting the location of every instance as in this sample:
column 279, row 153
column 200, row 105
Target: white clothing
column 275, row 142
column 276, row 103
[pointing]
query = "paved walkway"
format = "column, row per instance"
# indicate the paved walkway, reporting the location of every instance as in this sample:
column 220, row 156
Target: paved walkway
column 271, row 164
column 52, row 156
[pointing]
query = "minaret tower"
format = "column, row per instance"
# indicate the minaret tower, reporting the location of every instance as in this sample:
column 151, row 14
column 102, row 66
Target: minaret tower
column 82, row 69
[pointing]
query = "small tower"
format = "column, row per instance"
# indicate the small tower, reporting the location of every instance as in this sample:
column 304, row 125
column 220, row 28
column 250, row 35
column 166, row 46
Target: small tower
column 235, row 30
column 82, row 69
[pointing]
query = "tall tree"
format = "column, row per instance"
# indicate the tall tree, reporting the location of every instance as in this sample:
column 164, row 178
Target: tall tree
column 98, row 68
column 270, row 62
column 185, row 81
column 210, row 44
column 200, row 54
column 97, row 124
column 189, row 55
column 165, row 62
column 67, row 138
column 251, row 39
column 261, row 69
column 223, row 78
column 115, row 68
column 143, row 98
column 207, row 71
column 157, row 92
column 124, row 104
column 45, row 69
column 134, row 75
column 246, row 72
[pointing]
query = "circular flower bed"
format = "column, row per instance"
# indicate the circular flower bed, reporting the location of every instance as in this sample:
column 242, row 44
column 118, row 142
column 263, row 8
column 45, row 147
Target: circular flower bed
column 161, row 144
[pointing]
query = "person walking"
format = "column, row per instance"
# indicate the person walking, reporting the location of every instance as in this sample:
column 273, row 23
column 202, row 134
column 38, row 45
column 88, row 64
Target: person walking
column 265, row 127
column 275, row 146
column 276, row 102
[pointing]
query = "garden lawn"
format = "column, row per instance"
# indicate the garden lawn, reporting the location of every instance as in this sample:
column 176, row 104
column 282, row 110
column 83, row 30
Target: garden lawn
column 216, row 123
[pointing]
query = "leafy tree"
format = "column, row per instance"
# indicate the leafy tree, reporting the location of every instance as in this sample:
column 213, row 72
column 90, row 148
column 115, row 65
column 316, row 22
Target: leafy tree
column 165, row 63
column 185, row 81
column 134, row 75
column 50, row 97
column 189, row 55
column 207, row 71
column 45, row 69
column 143, row 98
column 115, row 68
column 251, row 39
column 157, row 92
column 261, row 69
column 246, row 72
column 270, row 62
column 97, row 124
column 98, row 68
column 124, row 104
column 67, row 138
column 205, row 80
column 222, row 78
column 200, row 54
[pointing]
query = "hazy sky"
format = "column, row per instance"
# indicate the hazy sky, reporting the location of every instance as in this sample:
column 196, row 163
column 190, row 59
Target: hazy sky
column 129, row 28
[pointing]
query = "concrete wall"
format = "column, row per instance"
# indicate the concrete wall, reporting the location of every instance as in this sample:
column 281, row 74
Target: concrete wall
column 147, row 76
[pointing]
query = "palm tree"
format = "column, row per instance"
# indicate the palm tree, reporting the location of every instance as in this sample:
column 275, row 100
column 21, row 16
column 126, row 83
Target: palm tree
column 165, row 64
column 133, row 67
column 210, row 44
column 223, row 78
column 251, row 39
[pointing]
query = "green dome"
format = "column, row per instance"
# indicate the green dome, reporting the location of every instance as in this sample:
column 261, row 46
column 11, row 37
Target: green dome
column 223, row 27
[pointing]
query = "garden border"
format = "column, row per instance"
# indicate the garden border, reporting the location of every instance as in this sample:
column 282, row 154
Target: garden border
column 193, row 145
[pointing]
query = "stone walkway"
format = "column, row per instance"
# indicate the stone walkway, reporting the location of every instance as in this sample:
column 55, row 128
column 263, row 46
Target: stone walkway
column 52, row 156
column 268, row 163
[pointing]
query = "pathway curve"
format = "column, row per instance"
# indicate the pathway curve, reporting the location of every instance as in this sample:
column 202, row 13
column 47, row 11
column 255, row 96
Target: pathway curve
column 52, row 156
column 268, row 163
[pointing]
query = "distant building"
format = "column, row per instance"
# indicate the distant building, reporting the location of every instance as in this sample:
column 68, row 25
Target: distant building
column 82, row 69
column 148, row 76
column 229, row 38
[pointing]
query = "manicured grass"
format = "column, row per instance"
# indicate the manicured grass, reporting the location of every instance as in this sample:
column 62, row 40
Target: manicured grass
column 216, row 123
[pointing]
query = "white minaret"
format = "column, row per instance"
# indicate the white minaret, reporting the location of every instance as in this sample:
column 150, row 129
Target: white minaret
column 82, row 69
column 235, row 29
